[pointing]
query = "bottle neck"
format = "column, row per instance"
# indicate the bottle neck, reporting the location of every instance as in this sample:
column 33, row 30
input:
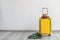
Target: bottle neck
column 45, row 16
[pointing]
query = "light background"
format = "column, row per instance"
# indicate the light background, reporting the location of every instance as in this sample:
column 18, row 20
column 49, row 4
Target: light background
column 25, row 14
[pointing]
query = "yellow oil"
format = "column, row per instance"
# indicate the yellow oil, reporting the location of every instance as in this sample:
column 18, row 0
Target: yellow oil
column 45, row 25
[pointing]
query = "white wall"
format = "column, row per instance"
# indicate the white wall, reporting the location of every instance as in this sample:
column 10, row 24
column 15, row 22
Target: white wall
column 24, row 14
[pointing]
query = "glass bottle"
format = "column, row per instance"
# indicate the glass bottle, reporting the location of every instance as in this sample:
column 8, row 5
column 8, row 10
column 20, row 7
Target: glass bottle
column 45, row 22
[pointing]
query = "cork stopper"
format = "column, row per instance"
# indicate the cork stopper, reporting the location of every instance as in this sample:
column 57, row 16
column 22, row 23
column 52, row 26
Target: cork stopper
column 45, row 12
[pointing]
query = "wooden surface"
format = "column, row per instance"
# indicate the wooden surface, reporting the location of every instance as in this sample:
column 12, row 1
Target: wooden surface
column 24, row 36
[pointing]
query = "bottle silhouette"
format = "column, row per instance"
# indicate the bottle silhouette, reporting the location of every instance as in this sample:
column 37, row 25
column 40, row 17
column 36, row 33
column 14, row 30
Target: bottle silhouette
column 45, row 22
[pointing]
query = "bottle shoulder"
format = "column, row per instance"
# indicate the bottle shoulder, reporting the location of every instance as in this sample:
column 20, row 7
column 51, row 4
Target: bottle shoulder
column 44, row 18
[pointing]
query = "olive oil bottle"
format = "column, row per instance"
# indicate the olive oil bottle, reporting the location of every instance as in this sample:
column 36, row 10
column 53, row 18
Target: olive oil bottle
column 45, row 22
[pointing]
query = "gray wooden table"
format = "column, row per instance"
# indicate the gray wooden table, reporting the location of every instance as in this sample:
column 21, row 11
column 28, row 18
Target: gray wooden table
column 24, row 36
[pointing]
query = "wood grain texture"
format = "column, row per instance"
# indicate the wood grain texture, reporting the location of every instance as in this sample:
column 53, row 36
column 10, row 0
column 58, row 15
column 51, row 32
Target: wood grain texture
column 24, row 36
